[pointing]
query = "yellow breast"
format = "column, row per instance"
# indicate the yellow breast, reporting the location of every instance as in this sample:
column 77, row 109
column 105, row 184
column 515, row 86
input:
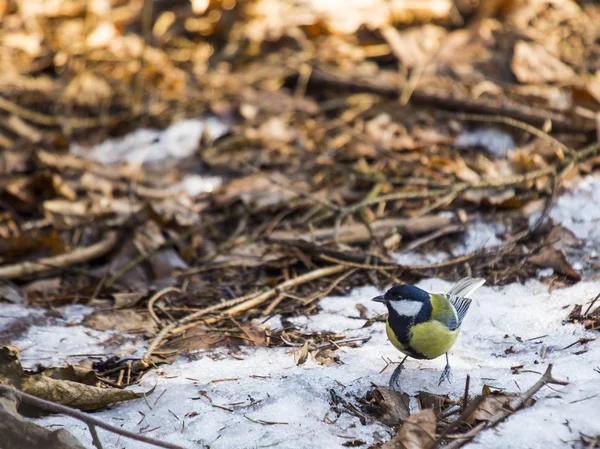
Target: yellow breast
column 429, row 340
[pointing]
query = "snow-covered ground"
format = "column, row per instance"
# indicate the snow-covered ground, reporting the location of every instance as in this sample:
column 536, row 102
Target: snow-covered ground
column 505, row 327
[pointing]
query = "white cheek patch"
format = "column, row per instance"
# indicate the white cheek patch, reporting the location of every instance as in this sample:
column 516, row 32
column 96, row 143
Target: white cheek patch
column 406, row 307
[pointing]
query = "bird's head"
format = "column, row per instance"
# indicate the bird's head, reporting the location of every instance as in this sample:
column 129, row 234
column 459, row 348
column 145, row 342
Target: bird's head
column 407, row 301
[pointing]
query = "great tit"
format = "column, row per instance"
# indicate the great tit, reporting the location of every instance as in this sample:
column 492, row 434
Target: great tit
column 424, row 325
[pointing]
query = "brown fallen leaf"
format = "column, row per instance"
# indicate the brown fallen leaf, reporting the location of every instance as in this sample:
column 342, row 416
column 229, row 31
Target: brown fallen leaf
column 123, row 320
column 301, row 354
column 72, row 373
column 533, row 64
column 560, row 238
column 417, row 432
column 74, row 394
column 556, row 259
column 258, row 190
column 55, row 388
column 392, row 405
column 254, row 254
column 11, row 371
column 326, row 357
column 432, row 401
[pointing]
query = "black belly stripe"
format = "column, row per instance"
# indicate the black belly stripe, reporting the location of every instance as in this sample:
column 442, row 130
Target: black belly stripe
column 401, row 325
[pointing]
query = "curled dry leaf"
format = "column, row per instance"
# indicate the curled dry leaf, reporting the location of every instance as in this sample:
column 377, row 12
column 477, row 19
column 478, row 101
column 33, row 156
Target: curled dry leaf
column 301, row 354
column 391, row 405
column 417, row 432
column 553, row 255
column 556, row 259
column 74, row 394
column 326, row 357
column 493, row 407
column 55, row 387
column 432, row 401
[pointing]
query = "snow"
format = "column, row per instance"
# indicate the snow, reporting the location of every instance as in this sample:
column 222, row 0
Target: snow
column 52, row 341
column 579, row 211
column 266, row 385
column 480, row 234
column 496, row 141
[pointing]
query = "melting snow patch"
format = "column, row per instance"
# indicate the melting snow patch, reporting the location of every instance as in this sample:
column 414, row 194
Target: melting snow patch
column 51, row 340
column 579, row 211
column 265, row 400
column 494, row 140
column 151, row 146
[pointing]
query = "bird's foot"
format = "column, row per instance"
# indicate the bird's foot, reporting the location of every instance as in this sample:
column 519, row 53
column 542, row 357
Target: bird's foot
column 395, row 378
column 445, row 375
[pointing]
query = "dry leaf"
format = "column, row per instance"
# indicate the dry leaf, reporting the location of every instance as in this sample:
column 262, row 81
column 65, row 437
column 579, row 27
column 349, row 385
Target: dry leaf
column 391, row 405
column 560, row 238
column 258, row 190
column 73, row 394
column 432, row 401
column 556, row 259
column 326, row 357
column 72, row 373
column 417, row 432
column 301, row 354
column 53, row 386
column 533, row 64
column 123, row 320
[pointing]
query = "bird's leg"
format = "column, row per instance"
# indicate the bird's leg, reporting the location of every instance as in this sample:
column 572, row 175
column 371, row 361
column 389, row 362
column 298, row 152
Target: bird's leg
column 446, row 373
column 396, row 375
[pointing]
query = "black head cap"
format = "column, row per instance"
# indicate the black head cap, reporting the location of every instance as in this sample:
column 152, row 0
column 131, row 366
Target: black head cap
column 405, row 291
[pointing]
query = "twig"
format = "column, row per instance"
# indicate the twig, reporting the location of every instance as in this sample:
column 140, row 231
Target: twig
column 173, row 326
column 239, row 304
column 450, row 229
column 52, row 120
column 452, row 102
column 95, row 438
column 79, row 255
column 359, row 232
column 514, row 405
column 466, row 395
column 307, row 277
column 89, row 420
column 154, row 298
column 515, row 124
column 359, row 265
column 330, row 288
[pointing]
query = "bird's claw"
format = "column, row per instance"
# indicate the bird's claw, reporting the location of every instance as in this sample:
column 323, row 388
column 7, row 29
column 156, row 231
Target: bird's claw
column 445, row 375
column 395, row 377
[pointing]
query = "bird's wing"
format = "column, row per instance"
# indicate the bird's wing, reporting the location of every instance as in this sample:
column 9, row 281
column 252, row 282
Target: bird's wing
column 444, row 311
column 465, row 287
column 461, row 305
column 457, row 296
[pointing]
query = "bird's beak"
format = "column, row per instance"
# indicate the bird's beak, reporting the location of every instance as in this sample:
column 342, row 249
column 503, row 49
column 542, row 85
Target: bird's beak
column 379, row 298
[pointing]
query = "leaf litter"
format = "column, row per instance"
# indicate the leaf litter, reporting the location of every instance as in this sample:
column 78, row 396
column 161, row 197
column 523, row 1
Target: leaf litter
column 305, row 153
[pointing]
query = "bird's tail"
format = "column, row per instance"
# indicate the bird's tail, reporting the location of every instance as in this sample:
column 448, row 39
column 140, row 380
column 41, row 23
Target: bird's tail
column 465, row 287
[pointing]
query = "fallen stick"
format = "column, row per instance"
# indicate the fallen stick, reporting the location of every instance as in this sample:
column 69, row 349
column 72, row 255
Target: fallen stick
column 76, row 256
column 89, row 420
column 359, row 232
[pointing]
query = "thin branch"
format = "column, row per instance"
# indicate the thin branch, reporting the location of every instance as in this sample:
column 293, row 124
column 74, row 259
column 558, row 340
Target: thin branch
column 90, row 421
column 76, row 256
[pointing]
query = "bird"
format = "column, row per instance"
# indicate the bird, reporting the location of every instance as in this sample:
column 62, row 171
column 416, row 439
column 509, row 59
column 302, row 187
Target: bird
column 423, row 325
